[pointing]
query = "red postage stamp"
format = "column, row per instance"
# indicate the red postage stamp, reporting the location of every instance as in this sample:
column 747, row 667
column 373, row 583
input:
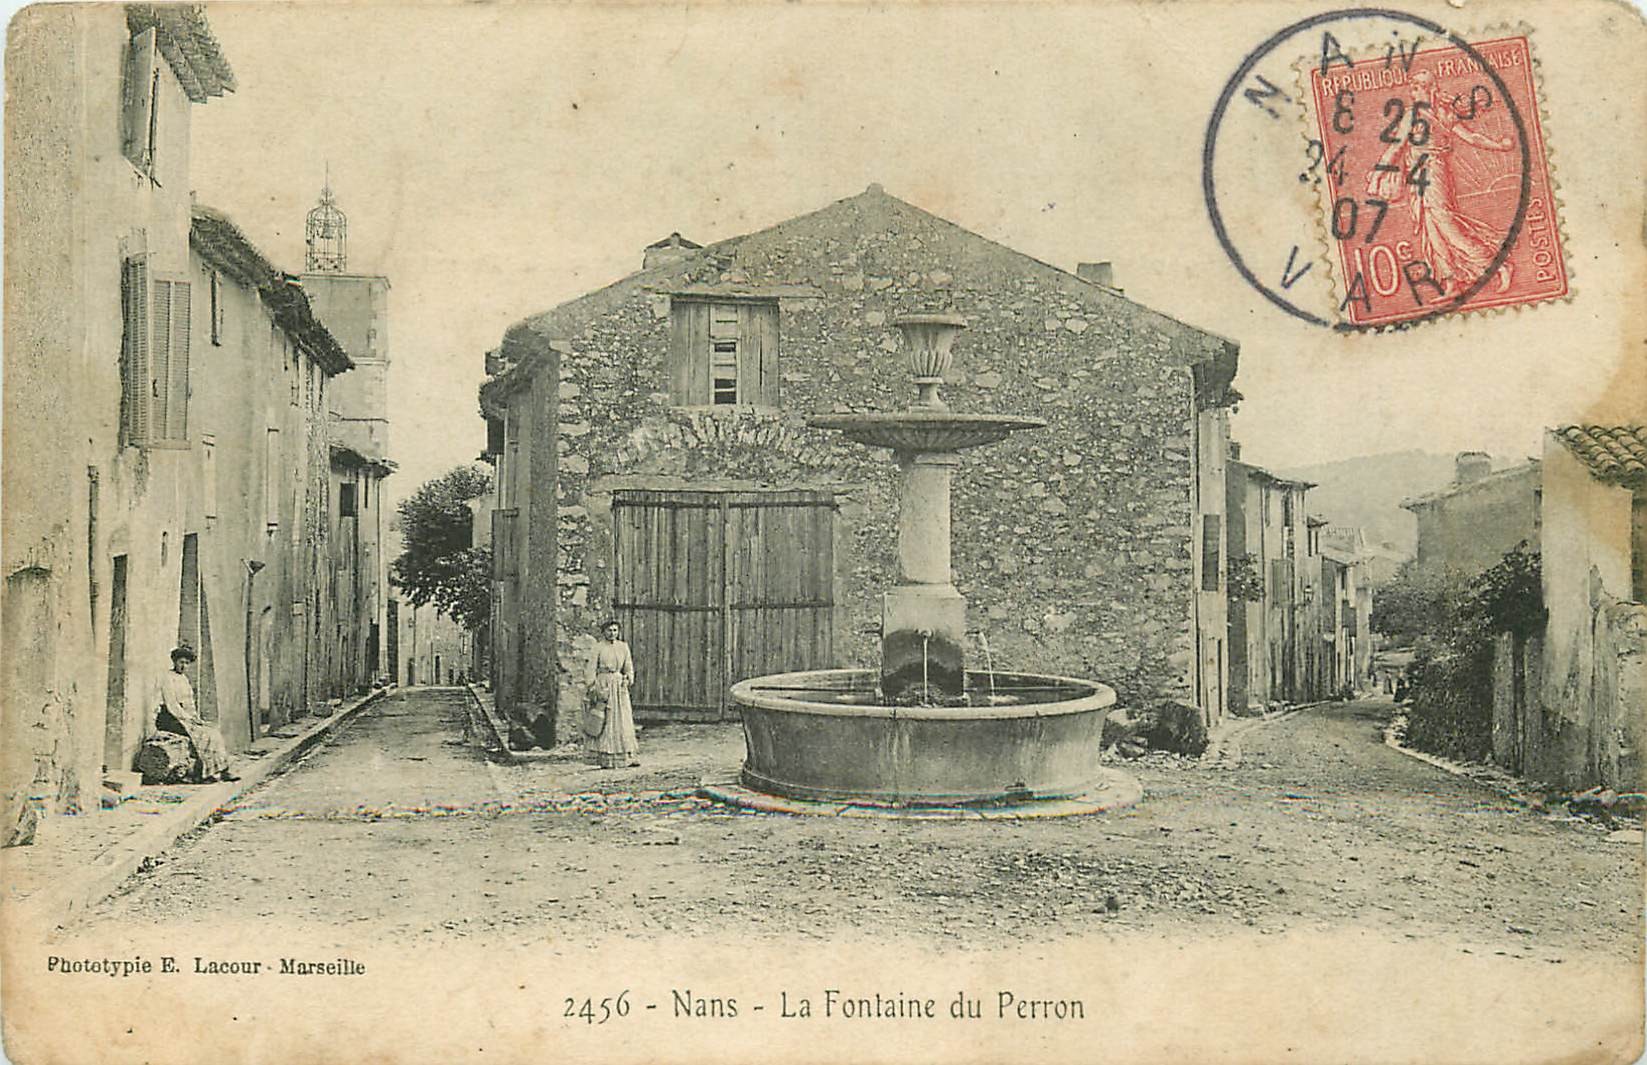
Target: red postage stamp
column 1439, row 185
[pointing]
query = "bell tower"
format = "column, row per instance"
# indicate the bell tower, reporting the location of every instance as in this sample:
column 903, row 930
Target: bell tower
column 326, row 234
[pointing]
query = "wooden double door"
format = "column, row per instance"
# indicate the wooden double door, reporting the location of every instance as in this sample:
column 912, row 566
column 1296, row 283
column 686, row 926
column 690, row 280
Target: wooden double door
column 713, row 587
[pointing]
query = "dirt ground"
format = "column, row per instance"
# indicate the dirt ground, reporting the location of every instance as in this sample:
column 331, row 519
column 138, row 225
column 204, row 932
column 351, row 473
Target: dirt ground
column 400, row 829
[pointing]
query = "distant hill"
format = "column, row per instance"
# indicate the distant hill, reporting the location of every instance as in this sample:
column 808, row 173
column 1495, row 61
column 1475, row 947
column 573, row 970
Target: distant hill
column 1367, row 491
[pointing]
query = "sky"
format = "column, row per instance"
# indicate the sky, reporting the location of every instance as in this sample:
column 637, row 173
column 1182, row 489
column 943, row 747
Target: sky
column 496, row 160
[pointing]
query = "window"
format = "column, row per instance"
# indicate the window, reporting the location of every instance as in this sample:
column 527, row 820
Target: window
column 217, row 308
column 1209, row 552
column 1287, row 546
column 723, row 353
column 154, row 358
column 294, row 374
column 141, row 103
column 346, row 501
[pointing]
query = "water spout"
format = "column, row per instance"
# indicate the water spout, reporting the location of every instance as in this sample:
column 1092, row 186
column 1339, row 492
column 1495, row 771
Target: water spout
column 989, row 662
column 926, row 681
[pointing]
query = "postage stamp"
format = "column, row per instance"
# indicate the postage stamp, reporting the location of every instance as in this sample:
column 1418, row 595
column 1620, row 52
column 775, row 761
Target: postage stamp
column 1438, row 194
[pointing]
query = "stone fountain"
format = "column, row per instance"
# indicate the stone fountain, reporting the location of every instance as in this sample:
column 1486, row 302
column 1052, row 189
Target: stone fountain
column 924, row 731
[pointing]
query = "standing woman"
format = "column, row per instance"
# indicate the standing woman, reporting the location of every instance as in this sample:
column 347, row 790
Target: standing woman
column 610, row 675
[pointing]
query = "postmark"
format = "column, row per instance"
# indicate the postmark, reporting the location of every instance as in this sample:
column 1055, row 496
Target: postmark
column 1323, row 198
column 1424, row 181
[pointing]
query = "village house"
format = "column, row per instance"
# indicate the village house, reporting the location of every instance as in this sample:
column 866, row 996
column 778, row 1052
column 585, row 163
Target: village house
column 654, row 464
column 1269, row 542
column 1344, row 605
column 1299, row 607
column 1469, row 525
column 267, row 496
column 167, row 446
column 1379, row 561
column 1567, row 701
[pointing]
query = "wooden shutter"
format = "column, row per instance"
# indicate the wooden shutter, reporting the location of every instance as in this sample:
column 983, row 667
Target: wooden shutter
column 689, row 352
column 134, row 352
column 177, row 365
column 138, row 99
column 169, row 361
column 758, row 353
column 160, row 340
column 1209, row 552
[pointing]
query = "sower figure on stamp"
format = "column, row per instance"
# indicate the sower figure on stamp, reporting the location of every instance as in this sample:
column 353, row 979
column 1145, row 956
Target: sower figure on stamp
column 609, row 718
column 175, row 712
column 1458, row 247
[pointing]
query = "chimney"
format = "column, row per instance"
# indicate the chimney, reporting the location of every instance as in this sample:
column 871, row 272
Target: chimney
column 1471, row 466
column 671, row 249
column 1097, row 273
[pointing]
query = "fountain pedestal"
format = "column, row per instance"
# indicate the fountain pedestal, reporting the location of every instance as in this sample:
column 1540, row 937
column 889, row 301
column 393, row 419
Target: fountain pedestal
column 923, row 618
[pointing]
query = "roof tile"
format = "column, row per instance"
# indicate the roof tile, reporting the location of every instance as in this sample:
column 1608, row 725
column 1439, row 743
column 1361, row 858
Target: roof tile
column 1612, row 452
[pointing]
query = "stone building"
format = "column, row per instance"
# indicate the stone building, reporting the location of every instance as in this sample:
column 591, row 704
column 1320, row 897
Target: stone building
column 1270, row 543
column 1469, row 525
column 654, row 465
column 1568, row 700
column 167, row 447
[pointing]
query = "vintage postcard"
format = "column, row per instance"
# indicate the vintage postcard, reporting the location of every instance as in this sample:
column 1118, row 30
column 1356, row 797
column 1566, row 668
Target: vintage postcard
column 897, row 532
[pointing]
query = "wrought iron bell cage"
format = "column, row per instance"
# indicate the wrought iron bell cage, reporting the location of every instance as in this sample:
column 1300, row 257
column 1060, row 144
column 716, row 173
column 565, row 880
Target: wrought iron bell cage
column 326, row 235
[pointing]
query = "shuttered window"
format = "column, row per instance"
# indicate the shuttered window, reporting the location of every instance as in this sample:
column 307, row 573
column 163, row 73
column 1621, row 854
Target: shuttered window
column 723, row 353
column 346, row 501
column 169, row 363
column 134, row 352
column 140, row 102
column 1210, row 541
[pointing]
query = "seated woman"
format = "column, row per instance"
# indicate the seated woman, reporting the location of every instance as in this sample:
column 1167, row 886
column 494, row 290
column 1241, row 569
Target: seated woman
column 176, row 713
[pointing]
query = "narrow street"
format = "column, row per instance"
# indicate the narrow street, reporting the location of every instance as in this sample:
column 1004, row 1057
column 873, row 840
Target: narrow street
column 399, row 829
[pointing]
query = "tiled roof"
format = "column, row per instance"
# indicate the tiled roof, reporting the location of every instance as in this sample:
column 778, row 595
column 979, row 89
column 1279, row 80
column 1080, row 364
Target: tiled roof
column 221, row 243
column 186, row 40
column 1613, row 452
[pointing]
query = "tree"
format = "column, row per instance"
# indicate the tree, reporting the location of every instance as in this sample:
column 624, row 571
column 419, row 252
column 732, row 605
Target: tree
column 439, row 563
column 1414, row 603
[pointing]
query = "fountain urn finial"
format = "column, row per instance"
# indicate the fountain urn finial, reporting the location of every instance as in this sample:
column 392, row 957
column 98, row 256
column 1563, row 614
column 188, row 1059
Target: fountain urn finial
column 927, row 340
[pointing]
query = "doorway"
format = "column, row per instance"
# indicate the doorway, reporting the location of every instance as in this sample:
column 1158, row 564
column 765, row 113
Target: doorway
column 114, row 712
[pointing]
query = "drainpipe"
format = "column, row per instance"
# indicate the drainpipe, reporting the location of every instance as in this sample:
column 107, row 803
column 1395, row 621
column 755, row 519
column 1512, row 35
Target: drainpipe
column 252, row 568
column 93, row 486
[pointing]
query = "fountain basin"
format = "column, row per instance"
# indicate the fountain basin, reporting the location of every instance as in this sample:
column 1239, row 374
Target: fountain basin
column 824, row 735
column 920, row 431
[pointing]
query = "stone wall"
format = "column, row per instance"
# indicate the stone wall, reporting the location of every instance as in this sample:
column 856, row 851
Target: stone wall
column 1074, row 544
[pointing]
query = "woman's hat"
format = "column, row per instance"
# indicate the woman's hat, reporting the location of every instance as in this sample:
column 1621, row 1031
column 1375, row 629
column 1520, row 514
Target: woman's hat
column 183, row 651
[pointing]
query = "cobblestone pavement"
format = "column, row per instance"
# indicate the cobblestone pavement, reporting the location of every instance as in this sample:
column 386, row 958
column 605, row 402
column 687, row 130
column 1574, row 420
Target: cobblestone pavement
column 400, row 827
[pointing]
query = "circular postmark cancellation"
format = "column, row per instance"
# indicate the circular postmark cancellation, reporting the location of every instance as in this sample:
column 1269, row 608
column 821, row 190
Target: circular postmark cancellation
column 1401, row 164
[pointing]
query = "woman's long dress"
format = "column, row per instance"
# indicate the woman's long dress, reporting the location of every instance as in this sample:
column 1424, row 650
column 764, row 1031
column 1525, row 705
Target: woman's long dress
column 611, row 673
column 177, row 698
